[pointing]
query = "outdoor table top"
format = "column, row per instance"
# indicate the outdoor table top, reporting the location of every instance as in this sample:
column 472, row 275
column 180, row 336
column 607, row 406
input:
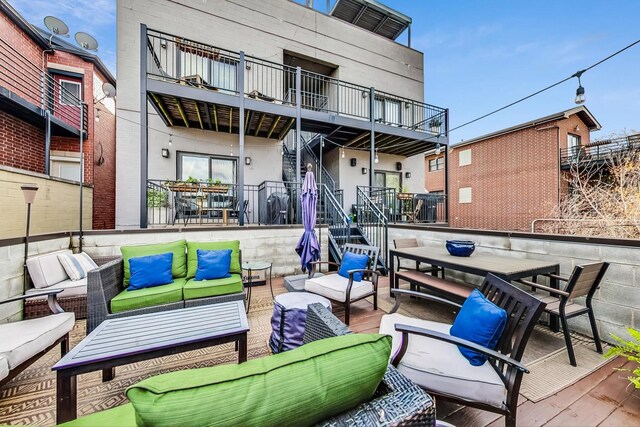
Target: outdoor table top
column 145, row 333
column 478, row 262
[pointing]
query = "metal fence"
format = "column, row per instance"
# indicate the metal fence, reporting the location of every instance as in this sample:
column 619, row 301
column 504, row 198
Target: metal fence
column 35, row 85
column 188, row 62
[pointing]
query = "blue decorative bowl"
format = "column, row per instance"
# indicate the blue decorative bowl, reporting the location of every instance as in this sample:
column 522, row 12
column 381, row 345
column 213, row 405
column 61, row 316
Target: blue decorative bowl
column 460, row 247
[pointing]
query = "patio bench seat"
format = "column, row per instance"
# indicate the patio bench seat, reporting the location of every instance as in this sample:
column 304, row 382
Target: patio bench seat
column 212, row 288
column 20, row 341
column 455, row 290
column 148, row 297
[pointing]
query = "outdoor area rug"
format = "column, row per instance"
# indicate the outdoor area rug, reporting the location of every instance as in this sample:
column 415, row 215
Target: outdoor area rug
column 30, row 398
column 553, row 373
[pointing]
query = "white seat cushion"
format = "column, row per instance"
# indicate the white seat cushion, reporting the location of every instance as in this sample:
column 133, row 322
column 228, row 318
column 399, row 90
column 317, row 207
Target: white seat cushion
column 71, row 288
column 334, row 287
column 439, row 367
column 46, row 270
column 4, row 368
column 19, row 341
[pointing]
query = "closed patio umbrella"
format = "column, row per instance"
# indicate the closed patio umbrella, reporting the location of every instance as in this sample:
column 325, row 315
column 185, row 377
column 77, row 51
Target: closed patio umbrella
column 308, row 247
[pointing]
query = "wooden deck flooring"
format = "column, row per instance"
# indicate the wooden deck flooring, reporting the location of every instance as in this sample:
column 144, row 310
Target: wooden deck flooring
column 600, row 399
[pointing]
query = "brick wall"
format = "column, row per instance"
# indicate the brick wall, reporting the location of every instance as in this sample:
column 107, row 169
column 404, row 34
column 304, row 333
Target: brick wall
column 21, row 144
column 104, row 175
column 514, row 178
column 433, row 181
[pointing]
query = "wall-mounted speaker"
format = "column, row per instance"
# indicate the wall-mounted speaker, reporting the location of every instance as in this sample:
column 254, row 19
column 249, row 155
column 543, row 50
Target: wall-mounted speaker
column 353, row 162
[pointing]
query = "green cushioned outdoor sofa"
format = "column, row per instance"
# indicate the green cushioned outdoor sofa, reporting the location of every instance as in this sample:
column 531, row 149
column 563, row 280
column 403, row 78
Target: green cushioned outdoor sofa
column 108, row 297
column 335, row 378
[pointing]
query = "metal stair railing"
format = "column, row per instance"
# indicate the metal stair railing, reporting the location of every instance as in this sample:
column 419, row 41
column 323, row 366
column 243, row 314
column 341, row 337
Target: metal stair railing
column 326, row 177
column 372, row 224
column 288, row 165
column 337, row 220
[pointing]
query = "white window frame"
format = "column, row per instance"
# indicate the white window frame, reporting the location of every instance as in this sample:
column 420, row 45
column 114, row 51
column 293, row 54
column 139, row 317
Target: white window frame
column 79, row 84
column 464, row 157
column 465, row 195
column 57, row 161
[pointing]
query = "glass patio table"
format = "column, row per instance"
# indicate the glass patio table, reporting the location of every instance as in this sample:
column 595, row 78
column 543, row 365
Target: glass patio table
column 252, row 266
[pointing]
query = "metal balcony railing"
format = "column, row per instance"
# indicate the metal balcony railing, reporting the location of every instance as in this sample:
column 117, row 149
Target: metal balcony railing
column 599, row 150
column 35, row 85
column 188, row 62
column 401, row 207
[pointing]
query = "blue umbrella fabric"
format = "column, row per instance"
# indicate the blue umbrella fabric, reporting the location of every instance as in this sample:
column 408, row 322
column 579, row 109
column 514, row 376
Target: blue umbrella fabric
column 308, row 247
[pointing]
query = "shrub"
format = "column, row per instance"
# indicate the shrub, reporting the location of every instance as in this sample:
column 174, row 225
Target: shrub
column 629, row 349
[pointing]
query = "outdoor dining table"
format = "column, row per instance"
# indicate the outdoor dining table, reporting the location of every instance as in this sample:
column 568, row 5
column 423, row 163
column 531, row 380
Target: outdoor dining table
column 479, row 264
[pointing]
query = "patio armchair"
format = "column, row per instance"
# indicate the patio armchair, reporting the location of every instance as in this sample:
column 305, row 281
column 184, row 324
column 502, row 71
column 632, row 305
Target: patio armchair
column 185, row 209
column 25, row 341
column 426, row 353
column 584, row 281
column 345, row 291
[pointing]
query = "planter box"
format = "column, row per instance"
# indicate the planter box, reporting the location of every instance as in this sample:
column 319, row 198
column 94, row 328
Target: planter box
column 218, row 189
column 183, row 187
column 404, row 196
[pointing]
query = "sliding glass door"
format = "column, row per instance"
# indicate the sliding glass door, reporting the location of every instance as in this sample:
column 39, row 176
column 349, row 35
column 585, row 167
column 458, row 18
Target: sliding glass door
column 204, row 167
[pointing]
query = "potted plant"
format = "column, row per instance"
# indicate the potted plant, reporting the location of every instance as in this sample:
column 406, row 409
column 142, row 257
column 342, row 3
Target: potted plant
column 216, row 187
column 629, row 349
column 434, row 125
column 189, row 186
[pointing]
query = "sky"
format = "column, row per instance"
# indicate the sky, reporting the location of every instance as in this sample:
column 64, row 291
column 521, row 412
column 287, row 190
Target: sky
column 478, row 55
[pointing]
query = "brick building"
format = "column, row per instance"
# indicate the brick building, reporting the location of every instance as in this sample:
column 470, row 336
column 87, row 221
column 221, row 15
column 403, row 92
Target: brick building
column 506, row 179
column 43, row 82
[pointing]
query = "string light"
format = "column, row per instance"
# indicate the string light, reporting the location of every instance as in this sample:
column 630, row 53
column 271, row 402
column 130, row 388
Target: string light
column 231, row 152
column 438, row 149
column 170, row 140
column 97, row 115
column 580, row 91
column 376, row 160
column 342, row 155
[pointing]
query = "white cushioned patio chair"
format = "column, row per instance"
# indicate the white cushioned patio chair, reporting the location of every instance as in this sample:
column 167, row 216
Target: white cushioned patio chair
column 344, row 291
column 427, row 354
column 25, row 341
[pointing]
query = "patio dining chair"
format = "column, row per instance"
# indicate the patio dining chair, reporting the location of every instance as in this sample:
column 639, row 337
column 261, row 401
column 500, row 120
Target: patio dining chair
column 426, row 353
column 185, row 209
column 414, row 215
column 421, row 267
column 584, row 281
column 345, row 291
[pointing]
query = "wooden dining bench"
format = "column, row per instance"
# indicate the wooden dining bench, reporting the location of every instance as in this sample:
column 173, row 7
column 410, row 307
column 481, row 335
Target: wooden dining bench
column 455, row 291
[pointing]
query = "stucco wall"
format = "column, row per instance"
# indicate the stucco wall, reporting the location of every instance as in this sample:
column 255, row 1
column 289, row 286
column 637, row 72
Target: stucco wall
column 55, row 207
column 616, row 302
column 350, row 177
column 261, row 28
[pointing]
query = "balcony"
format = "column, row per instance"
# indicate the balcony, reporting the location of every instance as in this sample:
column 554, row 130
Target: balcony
column 599, row 152
column 196, row 85
column 28, row 92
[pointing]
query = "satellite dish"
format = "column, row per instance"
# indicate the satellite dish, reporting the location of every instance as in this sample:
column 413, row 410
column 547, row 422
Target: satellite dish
column 109, row 90
column 56, row 26
column 86, row 41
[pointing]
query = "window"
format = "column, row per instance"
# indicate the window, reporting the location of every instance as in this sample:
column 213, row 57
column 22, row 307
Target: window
column 65, row 167
column 464, row 157
column 216, row 71
column 573, row 144
column 204, row 167
column 69, row 92
column 436, row 164
column 464, row 195
column 388, row 180
column 387, row 110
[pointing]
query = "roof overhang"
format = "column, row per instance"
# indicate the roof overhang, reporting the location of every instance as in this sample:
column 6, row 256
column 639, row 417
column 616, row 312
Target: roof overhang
column 582, row 112
column 372, row 16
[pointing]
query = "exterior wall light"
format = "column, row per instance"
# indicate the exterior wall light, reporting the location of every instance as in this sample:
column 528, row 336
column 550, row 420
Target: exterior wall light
column 365, row 171
column 247, row 161
column 165, row 153
column 407, row 174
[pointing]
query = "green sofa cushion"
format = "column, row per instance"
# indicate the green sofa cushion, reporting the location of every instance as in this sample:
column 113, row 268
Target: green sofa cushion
column 297, row 387
column 178, row 248
column 192, row 255
column 148, row 297
column 121, row 416
column 212, row 288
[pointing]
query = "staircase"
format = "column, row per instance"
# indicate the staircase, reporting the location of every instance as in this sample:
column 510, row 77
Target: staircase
column 372, row 225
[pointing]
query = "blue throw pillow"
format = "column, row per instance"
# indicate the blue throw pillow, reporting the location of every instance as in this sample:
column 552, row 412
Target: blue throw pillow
column 481, row 322
column 351, row 261
column 148, row 271
column 214, row 264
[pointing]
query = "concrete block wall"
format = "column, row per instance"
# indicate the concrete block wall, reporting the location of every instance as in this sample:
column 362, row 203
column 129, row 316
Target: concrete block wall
column 11, row 272
column 616, row 302
column 271, row 244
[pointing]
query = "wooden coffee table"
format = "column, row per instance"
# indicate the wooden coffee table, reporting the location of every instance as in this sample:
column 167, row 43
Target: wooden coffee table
column 131, row 339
